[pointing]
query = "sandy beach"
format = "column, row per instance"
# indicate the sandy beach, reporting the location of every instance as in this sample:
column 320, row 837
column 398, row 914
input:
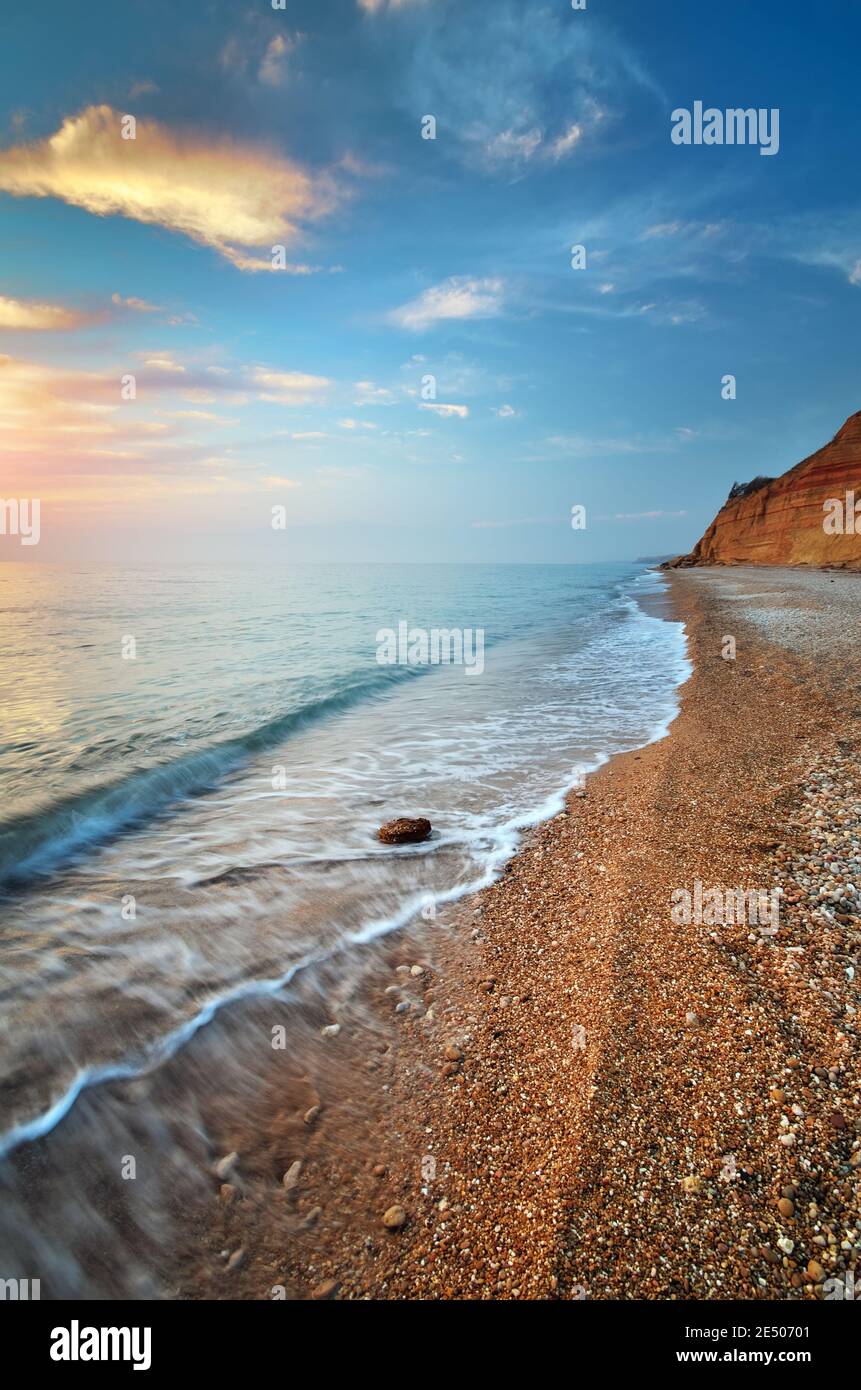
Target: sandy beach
column 562, row 1092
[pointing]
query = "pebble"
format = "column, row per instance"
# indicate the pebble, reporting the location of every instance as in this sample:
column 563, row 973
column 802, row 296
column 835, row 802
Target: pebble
column 786, row 1207
column 291, row 1177
column 311, row 1115
column 394, row 1218
column 328, row 1289
column 235, row 1260
column 331, row 1030
column 224, row 1167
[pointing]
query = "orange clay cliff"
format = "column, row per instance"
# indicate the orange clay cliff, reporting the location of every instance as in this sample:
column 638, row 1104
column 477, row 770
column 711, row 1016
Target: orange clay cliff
column 808, row 516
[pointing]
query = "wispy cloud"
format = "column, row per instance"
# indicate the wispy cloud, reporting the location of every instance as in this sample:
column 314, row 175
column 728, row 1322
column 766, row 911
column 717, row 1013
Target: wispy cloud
column 141, row 306
column 514, row 521
column 221, row 194
column 289, row 388
column 578, row 446
column 206, row 416
column 448, row 412
column 368, row 393
column 376, row 6
column 28, row 314
column 273, row 68
column 640, row 516
column 459, row 297
column 512, row 96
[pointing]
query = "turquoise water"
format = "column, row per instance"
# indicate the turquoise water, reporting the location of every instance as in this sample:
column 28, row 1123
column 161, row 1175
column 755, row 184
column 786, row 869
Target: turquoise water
column 194, row 825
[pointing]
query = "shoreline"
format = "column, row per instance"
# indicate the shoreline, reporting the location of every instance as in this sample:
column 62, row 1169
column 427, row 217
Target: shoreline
column 509, row 836
column 567, row 1094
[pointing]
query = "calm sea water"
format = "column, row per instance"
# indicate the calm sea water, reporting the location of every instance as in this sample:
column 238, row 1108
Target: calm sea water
column 192, row 827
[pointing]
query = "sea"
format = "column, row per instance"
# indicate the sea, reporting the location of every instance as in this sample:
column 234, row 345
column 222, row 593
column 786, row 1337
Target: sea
column 194, row 765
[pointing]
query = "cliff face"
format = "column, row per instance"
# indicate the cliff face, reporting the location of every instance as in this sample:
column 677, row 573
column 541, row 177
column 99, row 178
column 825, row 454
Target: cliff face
column 779, row 521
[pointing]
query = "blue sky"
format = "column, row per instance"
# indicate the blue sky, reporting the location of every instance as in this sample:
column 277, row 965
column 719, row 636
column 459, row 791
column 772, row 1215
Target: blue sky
column 411, row 258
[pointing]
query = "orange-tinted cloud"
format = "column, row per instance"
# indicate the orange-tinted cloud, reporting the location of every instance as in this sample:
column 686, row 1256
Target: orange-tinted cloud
column 220, row 193
column 27, row 314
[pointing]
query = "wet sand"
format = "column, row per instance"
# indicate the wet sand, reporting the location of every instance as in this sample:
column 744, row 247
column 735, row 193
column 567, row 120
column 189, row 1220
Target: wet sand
column 560, row 1091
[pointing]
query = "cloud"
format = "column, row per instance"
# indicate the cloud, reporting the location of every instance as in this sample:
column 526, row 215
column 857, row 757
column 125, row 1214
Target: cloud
column 333, row 472
column 206, row 415
column 273, row 67
column 514, row 146
column 368, row 393
column 830, row 243
column 49, row 416
column 578, row 446
column 640, row 516
column 566, row 141
column 504, row 525
column 28, row 314
column 376, row 6
column 164, row 363
column 448, row 412
column 688, row 229
column 514, row 93
column 217, row 192
column 456, row 376
column 459, row 297
column 505, row 412
column 141, row 306
column 357, row 425
column 289, row 388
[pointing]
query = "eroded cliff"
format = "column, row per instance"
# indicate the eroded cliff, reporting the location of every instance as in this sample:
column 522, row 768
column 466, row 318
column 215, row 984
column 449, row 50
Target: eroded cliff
column 806, row 516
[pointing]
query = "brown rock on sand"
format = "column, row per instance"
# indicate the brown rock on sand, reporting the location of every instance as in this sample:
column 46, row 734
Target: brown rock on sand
column 395, row 1218
column 328, row 1289
column 404, row 831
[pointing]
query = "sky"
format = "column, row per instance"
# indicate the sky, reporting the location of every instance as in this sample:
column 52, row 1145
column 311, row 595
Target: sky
column 417, row 371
